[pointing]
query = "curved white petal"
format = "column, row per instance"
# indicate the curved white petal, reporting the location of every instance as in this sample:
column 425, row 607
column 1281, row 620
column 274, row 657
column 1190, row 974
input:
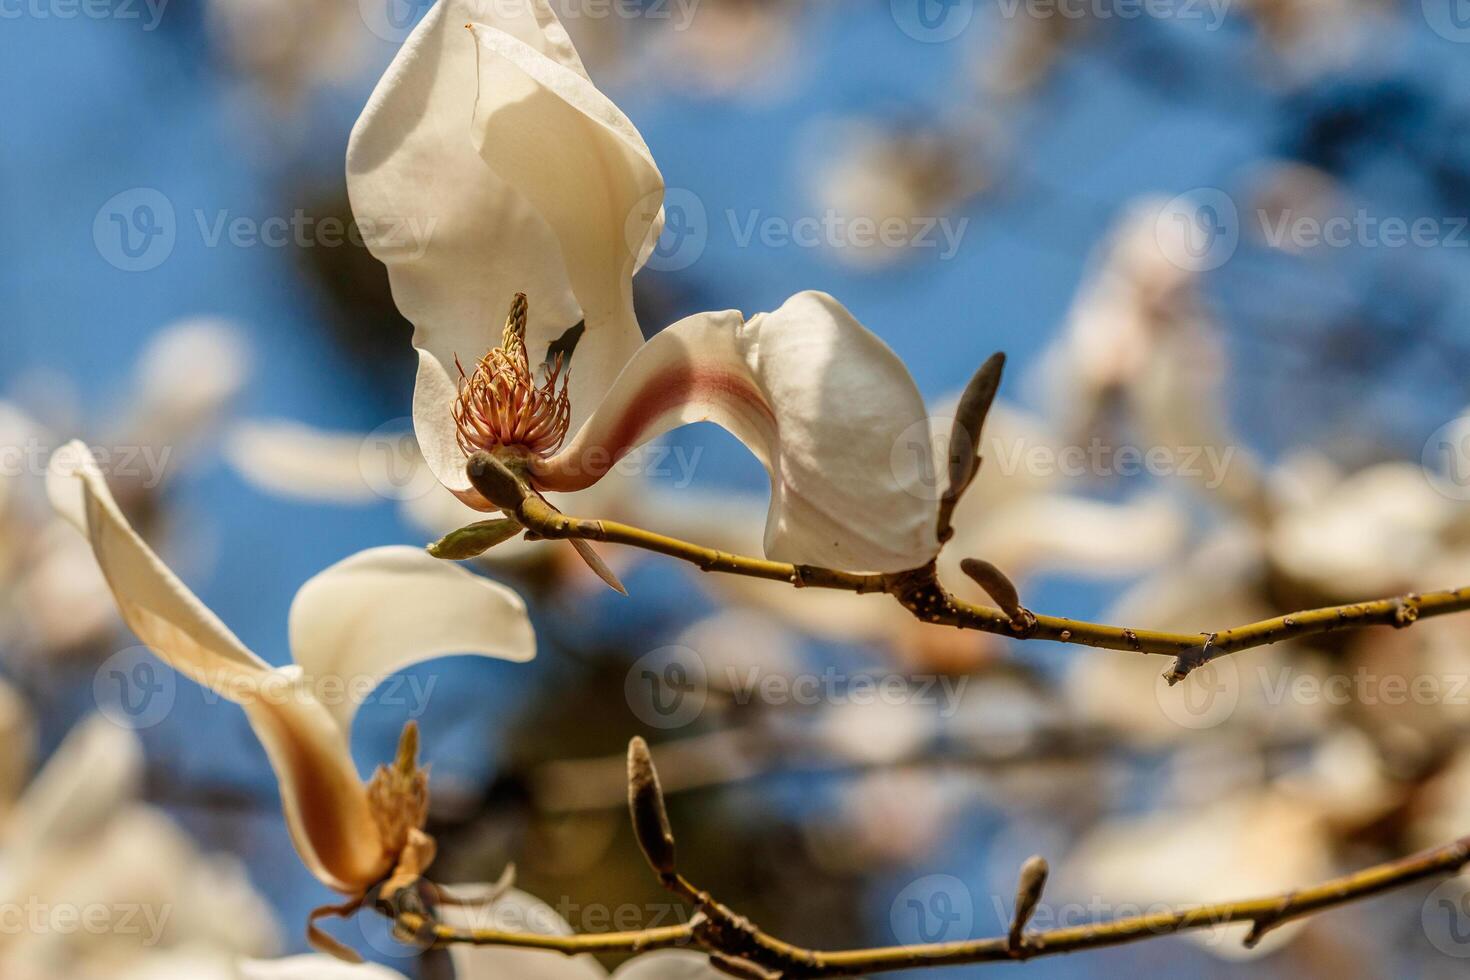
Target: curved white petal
column 819, row 399
column 96, row 769
column 324, row 799
column 458, row 241
column 296, row 460
column 548, row 132
column 668, row 964
column 325, row 802
column 387, row 608
column 184, row 377
column 153, row 602
column 1057, row 532
column 516, row 911
column 313, row 968
column 434, row 392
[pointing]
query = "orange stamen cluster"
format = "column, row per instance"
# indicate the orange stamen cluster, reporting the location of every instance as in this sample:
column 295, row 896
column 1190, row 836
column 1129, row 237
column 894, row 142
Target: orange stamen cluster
column 500, row 404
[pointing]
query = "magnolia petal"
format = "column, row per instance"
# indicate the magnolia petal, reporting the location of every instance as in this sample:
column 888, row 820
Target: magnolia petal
column 458, row 241
column 434, row 393
column 325, row 802
column 820, row 400
column 1060, row 533
column 298, row 461
column 387, row 608
column 668, row 964
column 184, row 378
column 96, row 769
column 548, row 132
column 515, row 911
column 153, row 602
column 313, row 968
column 324, row 799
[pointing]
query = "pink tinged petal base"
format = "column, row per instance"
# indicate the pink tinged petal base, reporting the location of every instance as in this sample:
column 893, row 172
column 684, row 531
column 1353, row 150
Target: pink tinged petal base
column 820, row 400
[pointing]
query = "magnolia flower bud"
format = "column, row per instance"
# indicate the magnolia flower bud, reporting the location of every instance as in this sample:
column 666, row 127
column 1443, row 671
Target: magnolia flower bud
column 1029, row 886
column 474, row 539
column 646, row 804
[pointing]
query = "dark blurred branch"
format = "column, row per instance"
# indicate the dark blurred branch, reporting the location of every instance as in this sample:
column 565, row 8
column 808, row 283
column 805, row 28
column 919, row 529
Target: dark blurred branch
column 739, row 947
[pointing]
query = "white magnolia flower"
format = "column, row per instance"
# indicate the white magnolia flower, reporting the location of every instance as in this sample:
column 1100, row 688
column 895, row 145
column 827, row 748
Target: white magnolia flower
column 534, row 183
column 514, row 911
column 52, row 600
column 352, row 625
column 76, row 837
column 1140, row 337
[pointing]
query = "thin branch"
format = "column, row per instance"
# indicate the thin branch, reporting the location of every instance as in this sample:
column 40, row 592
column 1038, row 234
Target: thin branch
column 920, row 591
column 743, row 949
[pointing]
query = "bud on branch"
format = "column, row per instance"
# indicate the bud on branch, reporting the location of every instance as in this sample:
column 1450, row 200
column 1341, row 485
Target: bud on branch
column 964, row 438
column 646, row 805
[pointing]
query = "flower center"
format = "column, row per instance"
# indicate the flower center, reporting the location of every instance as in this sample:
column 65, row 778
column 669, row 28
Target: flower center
column 398, row 795
column 500, row 404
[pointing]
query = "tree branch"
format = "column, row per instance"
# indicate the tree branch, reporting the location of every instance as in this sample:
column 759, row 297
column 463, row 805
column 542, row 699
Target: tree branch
column 922, row 594
column 741, row 948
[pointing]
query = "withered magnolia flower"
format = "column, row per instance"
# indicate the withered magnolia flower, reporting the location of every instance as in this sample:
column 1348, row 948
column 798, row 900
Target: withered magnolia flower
column 351, row 626
column 522, row 178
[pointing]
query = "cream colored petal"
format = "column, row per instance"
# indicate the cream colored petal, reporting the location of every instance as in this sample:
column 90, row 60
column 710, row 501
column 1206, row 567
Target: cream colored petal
column 387, row 608
column 820, row 400
column 295, row 460
column 97, row 768
column 1059, row 533
column 18, row 734
column 184, row 378
column 434, row 392
column 516, row 911
column 548, row 132
column 324, row 799
column 1212, row 853
column 668, row 964
column 458, row 240
column 313, row 967
column 153, row 602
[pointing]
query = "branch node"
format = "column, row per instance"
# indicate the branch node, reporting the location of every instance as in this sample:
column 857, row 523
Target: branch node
column 1191, row 660
column 1405, row 611
column 744, row 969
column 1267, row 921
